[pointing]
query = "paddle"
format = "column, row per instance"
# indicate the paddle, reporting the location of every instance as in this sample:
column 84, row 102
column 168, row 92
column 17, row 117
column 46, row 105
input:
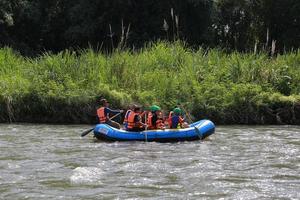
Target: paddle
column 187, row 113
column 88, row 131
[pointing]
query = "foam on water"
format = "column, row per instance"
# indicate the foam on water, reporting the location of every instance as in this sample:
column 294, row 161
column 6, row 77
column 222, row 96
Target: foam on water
column 86, row 175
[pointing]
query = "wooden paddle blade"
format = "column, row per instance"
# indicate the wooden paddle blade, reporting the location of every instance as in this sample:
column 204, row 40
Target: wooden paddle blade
column 86, row 132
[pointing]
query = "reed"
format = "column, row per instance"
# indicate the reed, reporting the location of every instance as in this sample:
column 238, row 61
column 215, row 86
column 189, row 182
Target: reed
column 227, row 88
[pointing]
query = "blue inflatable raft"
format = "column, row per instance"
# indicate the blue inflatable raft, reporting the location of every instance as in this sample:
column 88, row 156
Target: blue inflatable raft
column 197, row 131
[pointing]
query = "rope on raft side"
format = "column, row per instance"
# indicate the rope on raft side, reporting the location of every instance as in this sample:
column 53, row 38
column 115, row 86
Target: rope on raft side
column 146, row 139
column 198, row 133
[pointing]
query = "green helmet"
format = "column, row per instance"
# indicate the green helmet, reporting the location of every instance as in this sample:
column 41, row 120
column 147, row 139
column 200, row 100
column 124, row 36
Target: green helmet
column 177, row 111
column 154, row 108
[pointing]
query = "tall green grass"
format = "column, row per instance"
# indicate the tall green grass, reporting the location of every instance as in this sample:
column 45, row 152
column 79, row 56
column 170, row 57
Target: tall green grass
column 227, row 88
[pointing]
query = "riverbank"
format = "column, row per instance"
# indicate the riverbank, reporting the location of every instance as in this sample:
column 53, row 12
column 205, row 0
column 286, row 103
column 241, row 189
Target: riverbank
column 226, row 88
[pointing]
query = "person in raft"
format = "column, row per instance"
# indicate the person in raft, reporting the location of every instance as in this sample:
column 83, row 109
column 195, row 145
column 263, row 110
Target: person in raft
column 160, row 121
column 134, row 122
column 155, row 120
column 175, row 120
column 103, row 114
column 125, row 122
column 130, row 109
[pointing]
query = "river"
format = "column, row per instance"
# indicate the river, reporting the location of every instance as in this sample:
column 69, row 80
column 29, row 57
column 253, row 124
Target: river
column 237, row 162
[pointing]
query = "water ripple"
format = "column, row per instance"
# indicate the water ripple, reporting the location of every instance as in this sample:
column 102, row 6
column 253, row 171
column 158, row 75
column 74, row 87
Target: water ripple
column 238, row 162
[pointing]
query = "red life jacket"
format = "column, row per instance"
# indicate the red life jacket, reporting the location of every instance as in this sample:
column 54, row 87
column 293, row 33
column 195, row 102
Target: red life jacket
column 131, row 123
column 170, row 119
column 180, row 121
column 149, row 121
column 101, row 115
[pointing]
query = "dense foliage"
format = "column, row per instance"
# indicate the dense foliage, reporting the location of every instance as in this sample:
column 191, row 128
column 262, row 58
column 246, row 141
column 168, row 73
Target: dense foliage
column 33, row 26
column 227, row 88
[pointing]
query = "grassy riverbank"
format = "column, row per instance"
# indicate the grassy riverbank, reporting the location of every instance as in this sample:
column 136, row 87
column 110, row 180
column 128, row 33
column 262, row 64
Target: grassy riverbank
column 226, row 88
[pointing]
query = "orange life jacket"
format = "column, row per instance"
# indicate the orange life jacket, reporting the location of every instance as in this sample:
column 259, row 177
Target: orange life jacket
column 126, row 117
column 131, row 122
column 101, row 115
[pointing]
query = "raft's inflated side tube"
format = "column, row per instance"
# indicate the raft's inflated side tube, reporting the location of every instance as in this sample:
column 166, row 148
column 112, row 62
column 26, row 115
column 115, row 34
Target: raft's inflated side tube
column 197, row 131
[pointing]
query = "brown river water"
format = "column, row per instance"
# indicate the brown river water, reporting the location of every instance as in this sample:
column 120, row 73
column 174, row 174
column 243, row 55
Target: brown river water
column 237, row 162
